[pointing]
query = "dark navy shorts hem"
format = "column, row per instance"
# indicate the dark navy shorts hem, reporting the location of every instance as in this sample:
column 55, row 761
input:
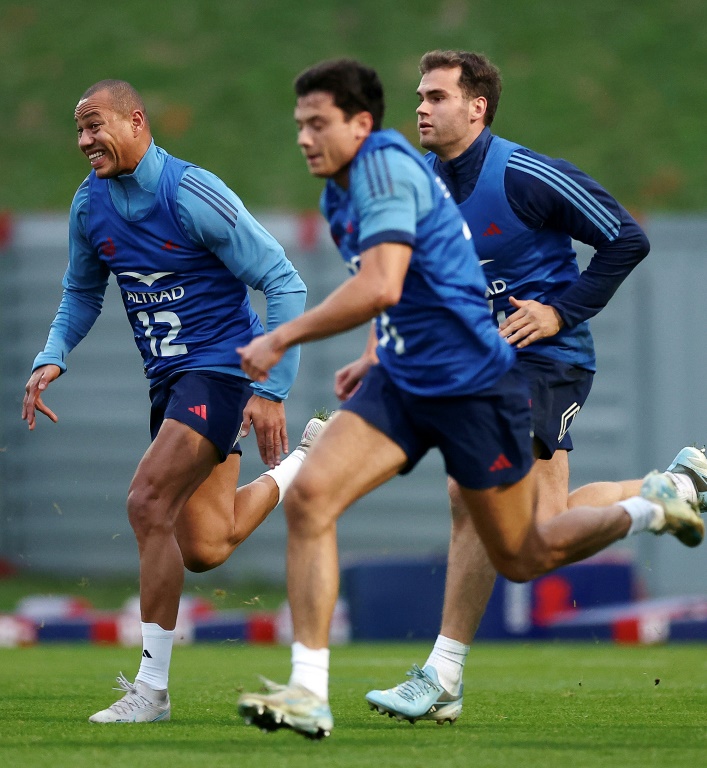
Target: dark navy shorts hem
column 484, row 438
column 209, row 402
column 558, row 392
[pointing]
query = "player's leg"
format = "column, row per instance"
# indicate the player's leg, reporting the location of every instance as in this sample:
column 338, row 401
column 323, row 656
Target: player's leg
column 374, row 434
column 522, row 550
column 173, row 467
column 434, row 692
column 471, row 576
column 177, row 462
column 557, row 393
column 206, row 528
column 219, row 515
column 687, row 471
column 321, row 491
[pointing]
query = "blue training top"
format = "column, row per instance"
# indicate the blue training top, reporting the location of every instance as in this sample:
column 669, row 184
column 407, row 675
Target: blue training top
column 524, row 209
column 183, row 249
column 439, row 340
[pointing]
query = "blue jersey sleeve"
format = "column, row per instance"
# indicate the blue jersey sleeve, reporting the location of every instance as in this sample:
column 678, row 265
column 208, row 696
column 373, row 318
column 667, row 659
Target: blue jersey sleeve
column 391, row 194
column 214, row 216
column 84, row 287
column 553, row 193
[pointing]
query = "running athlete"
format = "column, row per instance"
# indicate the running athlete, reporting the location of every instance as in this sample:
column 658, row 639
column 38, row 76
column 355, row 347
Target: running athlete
column 441, row 362
column 523, row 210
column 184, row 250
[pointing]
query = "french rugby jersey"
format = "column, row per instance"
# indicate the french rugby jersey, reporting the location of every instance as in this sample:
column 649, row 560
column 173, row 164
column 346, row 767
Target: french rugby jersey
column 183, row 249
column 524, row 210
column 439, row 340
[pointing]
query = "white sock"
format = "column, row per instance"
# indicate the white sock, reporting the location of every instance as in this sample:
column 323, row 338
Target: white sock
column 310, row 669
column 448, row 657
column 645, row 515
column 685, row 487
column 156, row 655
column 284, row 473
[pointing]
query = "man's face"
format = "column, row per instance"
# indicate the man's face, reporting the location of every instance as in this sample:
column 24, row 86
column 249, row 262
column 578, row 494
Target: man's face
column 109, row 140
column 448, row 122
column 329, row 142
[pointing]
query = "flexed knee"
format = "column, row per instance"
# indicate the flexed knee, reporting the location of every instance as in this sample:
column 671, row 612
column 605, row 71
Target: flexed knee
column 522, row 563
column 515, row 569
column 199, row 558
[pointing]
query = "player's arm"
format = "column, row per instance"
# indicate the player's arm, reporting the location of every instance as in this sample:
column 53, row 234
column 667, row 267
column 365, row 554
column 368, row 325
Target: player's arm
column 387, row 216
column 377, row 286
column 347, row 379
column 215, row 217
column 84, row 287
column 547, row 192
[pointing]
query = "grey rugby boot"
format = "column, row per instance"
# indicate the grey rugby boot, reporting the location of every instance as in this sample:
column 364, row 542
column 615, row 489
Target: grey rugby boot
column 287, row 706
column 680, row 518
column 692, row 462
column 141, row 704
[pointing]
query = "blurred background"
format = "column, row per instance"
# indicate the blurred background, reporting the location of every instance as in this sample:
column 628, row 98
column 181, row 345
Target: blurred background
column 618, row 88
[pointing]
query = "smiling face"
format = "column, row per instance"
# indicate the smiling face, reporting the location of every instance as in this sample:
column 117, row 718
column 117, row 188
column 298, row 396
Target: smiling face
column 112, row 142
column 447, row 120
column 328, row 139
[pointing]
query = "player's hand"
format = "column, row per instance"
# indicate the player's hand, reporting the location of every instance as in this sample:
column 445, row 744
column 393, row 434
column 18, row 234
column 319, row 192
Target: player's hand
column 268, row 419
column 348, row 379
column 38, row 382
column 531, row 321
column 258, row 357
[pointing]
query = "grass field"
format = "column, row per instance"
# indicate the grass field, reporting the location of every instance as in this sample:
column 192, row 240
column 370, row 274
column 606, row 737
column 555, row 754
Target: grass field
column 526, row 705
column 616, row 86
column 111, row 594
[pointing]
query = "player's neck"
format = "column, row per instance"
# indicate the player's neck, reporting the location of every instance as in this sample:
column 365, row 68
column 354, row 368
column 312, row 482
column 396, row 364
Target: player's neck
column 458, row 148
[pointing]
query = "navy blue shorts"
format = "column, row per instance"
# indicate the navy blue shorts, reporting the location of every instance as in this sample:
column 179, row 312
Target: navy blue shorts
column 557, row 393
column 209, row 402
column 485, row 438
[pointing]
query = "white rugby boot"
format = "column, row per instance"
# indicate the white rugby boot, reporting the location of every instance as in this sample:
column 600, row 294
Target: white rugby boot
column 680, row 518
column 287, row 706
column 692, row 463
column 141, row 704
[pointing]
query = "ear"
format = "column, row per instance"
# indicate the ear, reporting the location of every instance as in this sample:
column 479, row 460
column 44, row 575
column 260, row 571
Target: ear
column 363, row 125
column 477, row 108
column 137, row 121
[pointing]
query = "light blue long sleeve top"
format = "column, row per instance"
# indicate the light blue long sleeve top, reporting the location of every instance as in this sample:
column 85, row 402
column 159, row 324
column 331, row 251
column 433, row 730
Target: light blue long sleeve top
column 246, row 249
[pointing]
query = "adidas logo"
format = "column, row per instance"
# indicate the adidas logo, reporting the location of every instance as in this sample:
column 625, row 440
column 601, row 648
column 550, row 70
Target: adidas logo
column 199, row 410
column 500, row 463
column 146, row 654
column 492, row 230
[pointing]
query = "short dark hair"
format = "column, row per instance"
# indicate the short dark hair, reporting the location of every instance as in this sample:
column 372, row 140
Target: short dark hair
column 479, row 76
column 354, row 87
column 124, row 97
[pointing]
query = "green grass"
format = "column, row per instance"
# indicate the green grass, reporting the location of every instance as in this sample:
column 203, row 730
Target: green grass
column 617, row 86
column 111, row 594
column 526, row 705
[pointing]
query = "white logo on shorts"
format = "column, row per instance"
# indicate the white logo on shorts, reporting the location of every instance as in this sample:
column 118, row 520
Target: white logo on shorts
column 567, row 419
